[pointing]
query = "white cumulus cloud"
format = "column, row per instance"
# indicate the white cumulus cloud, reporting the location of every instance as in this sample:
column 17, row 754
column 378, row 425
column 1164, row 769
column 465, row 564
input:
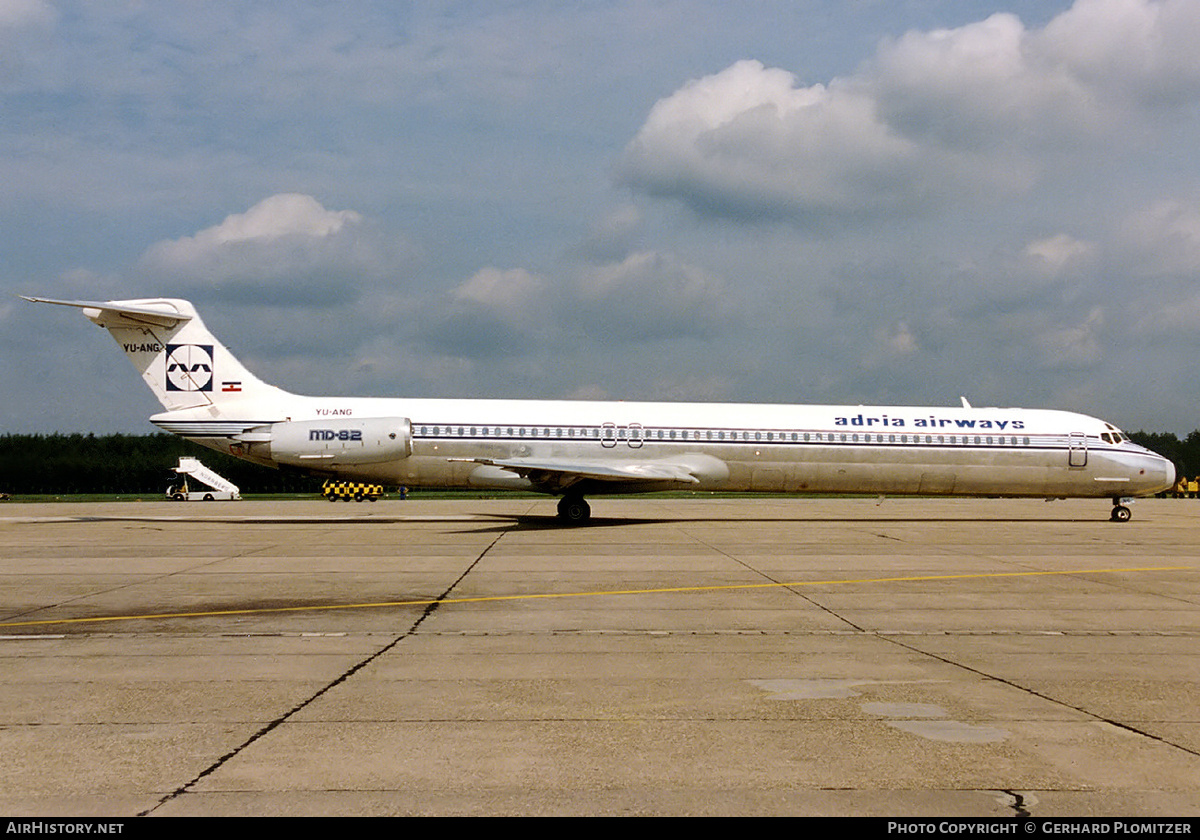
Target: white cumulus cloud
column 749, row 140
column 287, row 241
column 968, row 112
column 648, row 296
column 1141, row 50
column 1166, row 236
column 495, row 312
column 1055, row 254
column 1074, row 346
column 286, row 216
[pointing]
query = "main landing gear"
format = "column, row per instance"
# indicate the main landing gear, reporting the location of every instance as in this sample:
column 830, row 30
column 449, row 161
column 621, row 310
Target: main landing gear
column 573, row 510
column 1120, row 513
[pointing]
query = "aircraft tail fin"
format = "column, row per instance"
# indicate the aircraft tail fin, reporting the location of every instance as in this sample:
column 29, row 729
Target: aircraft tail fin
column 179, row 359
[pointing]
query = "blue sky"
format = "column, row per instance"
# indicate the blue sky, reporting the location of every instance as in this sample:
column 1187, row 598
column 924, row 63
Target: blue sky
column 869, row 202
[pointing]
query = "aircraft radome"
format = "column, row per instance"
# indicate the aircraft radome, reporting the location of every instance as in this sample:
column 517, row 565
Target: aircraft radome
column 574, row 449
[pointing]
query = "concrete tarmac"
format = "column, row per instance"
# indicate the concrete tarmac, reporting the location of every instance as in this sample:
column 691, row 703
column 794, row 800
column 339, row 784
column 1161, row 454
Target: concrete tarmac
column 747, row 656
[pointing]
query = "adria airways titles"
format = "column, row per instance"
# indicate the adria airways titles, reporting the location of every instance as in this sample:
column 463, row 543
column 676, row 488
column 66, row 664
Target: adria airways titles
column 573, row 449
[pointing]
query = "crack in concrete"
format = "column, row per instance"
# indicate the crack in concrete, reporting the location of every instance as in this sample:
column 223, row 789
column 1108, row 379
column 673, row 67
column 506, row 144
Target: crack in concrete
column 898, row 641
column 801, row 595
column 341, row 678
column 1042, row 696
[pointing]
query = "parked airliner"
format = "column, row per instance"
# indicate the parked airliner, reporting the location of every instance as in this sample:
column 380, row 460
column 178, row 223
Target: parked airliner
column 573, row 449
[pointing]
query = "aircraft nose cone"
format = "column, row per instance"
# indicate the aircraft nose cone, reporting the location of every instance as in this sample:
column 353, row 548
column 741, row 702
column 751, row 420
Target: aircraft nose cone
column 1168, row 473
column 1158, row 476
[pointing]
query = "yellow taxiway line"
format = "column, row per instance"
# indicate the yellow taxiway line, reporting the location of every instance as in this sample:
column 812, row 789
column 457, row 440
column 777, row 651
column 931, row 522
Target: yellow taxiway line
column 590, row 594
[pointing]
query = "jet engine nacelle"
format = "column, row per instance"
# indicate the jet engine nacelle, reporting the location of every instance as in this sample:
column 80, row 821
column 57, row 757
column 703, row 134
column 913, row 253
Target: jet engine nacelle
column 325, row 443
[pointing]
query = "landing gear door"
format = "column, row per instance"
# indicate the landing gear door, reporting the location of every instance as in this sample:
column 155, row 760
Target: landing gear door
column 1077, row 450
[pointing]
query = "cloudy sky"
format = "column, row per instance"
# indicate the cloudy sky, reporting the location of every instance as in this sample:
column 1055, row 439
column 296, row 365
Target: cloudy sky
column 882, row 201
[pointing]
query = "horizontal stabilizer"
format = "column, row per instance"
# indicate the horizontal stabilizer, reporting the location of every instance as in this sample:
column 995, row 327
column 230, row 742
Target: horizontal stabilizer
column 102, row 312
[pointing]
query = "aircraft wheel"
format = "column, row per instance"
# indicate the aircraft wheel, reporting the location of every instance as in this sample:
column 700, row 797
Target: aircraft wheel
column 573, row 510
column 1120, row 513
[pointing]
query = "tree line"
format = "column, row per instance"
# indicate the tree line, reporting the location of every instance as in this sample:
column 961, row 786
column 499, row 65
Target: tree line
column 62, row 464
column 1185, row 454
column 76, row 463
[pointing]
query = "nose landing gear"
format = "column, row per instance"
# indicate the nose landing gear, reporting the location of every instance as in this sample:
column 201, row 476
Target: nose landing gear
column 1120, row 513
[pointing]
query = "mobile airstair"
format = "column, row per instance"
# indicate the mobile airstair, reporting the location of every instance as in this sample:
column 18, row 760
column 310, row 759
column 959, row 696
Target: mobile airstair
column 221, row 489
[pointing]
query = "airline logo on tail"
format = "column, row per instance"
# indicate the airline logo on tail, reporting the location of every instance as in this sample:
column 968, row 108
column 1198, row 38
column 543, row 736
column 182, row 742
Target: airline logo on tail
column 189, row 367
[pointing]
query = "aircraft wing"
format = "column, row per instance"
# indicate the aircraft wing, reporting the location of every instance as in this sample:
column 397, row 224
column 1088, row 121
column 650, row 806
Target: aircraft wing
column 556, row 475
column 596, row 470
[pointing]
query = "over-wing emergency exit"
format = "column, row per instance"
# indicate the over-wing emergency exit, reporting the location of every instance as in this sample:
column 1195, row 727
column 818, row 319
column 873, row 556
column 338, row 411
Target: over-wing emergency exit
column 574, row 449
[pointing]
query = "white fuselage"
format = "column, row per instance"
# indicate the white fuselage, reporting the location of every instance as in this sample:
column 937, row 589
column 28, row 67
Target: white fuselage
column 572, row 449
column 732, row 447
